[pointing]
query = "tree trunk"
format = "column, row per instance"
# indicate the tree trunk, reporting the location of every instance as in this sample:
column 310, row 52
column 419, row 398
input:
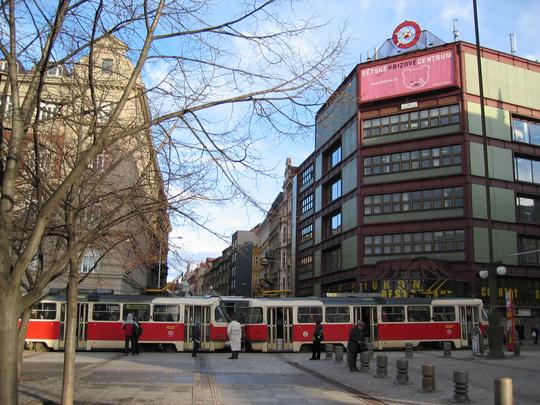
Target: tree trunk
column 23, row 329
column 9, row 316
column 70, row 347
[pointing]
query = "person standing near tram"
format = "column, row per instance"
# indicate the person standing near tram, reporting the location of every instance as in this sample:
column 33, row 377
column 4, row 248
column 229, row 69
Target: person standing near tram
column 318, row 337
column 234, row 332
column 131, row 335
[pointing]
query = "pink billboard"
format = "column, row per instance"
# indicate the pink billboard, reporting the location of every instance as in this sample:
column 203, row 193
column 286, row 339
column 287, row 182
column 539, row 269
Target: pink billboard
column 421, row 73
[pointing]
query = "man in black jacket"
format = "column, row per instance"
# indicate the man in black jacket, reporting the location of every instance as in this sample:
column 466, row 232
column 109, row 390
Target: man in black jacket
column 357, row 340
column 318, row 337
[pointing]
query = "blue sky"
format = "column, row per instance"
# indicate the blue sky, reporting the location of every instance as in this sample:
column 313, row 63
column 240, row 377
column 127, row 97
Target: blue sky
column 368, row 24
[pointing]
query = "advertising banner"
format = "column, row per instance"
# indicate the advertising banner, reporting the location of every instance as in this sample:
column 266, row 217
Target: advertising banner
column 421, row 73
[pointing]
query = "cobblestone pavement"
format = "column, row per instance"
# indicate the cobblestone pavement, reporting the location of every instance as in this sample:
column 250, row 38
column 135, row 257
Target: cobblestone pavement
column 265, row 378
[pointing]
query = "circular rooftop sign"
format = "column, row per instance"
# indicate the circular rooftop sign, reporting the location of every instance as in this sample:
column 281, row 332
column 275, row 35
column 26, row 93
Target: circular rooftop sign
column 406, row 34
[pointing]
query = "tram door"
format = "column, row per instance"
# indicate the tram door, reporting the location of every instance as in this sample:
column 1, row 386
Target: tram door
column 468, row 316
column 280, row 325
column 192, row 314
column 82, row 316
column 62, row 340
column 368, row 315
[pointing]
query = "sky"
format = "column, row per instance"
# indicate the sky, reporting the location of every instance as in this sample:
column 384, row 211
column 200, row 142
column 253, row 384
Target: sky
column 368, row 23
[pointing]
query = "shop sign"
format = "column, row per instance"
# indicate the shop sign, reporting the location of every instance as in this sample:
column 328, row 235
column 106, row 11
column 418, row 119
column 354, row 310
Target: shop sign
column 407, row 76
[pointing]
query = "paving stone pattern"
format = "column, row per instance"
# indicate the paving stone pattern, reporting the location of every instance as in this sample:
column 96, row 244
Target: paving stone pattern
column 265, row 378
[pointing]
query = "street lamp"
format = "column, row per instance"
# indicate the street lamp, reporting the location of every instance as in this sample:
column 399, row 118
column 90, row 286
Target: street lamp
column 494, row 330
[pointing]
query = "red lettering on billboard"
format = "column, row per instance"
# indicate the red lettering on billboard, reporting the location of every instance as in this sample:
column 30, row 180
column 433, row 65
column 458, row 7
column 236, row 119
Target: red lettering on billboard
column 421, row 73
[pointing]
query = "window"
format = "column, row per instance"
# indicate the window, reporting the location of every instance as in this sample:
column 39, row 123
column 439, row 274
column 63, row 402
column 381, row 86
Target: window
column 44, row 310
column 47, row 110
column 3, row 65
column 418, row 314
column 417, row 243
column 526, row 131
column 528, row 209
column 393, row 314
column 414, row 201
column 306, row 233
column 220, row 314
column 337, row 315
column 9, row 105
column 413, row 160
column 104, row 111
column 107, row 66
column 55, row 71
column 307, row 175
column 98, row 164
column 527, row 170
column 331, row 259
column 306, row 264
column 307, row 204
column 334, row 156
column 90, row 261
column 309, row 314
column 529, row 244
column 444, row 313
column 106, row 312
column 254, row 315
column 413, row 121
column 336, row 223
column 166, row 313
column 141, row 312
column 335, row 190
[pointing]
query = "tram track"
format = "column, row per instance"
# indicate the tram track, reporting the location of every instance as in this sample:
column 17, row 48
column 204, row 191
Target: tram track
column 366, row 398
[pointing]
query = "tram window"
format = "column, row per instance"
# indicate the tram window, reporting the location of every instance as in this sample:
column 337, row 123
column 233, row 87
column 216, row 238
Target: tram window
column 393, row 314
column 444, row 314
column 166, row 313
column 309, row 314
column 337, row 314
column 44, row 310
column 140, row 311
column 106, row 312
column 418, row 314
column 219, row 315
column 255, row 315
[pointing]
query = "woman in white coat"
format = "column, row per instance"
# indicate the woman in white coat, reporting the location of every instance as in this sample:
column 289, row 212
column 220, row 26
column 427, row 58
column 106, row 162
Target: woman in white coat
column 234, row 332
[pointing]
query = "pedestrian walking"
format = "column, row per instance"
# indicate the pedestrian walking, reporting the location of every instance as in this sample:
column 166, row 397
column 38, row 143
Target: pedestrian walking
column 534, row 334
column 196, row 337
column 234, row 332
column 131, row 331
column 520, row 329
column 318, row 337
column 356, row 344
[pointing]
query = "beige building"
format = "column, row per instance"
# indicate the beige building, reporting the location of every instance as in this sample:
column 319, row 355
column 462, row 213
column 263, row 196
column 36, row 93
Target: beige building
column 120, row 200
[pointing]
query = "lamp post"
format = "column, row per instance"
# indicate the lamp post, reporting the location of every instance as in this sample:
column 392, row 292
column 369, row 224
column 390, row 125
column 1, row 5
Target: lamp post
column 494, row 330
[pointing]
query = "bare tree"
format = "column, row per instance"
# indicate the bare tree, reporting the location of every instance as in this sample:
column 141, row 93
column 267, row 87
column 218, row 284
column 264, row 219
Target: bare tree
column 212, row 90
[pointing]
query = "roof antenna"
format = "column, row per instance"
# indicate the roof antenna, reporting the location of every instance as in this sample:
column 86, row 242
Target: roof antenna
column 456, row 31
column 513, row 44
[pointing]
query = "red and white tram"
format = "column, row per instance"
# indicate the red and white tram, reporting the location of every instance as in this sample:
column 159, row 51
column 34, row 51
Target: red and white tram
column 270, row 324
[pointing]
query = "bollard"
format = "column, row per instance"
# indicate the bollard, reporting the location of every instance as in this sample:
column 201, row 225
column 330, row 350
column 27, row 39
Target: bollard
column 517, row 349
column 364, row 362
column 447, row 349
column 402, row 371
column 428, row 378
column 382, row 366
column 408, row 349
column 339, row 353
column 328, row 350
column 503, row 391
column 461, row 386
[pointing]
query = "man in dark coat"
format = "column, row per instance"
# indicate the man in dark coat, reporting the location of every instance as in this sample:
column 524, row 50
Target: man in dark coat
column 520, row 329
column 196, row 336
column 357, row 340
column 318, row 337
